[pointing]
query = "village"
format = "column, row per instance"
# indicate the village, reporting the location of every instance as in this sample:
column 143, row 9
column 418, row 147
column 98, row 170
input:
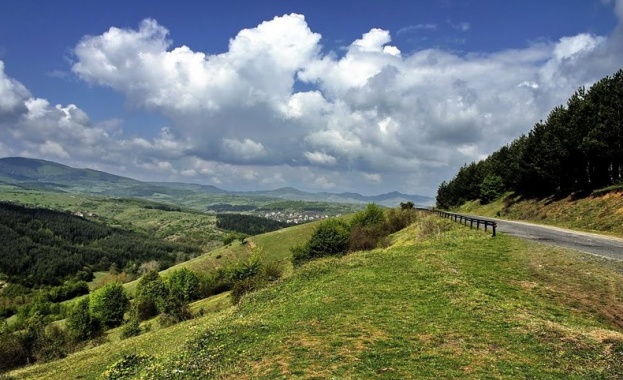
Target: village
column 294, row 217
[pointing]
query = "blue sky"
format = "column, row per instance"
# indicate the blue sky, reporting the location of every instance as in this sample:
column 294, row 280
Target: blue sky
column 363, row 96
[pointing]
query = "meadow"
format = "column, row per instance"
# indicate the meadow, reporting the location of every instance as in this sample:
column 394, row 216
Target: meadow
column 441, row 301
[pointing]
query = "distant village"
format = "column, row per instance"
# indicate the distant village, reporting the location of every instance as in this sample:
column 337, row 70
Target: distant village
column 294, row 217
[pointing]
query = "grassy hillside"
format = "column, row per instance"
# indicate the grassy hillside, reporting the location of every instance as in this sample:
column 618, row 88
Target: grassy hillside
column 442, row 302
column 595, row 213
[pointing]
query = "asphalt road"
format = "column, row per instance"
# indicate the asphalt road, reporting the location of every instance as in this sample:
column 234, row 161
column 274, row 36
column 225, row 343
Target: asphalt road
column 595, row 244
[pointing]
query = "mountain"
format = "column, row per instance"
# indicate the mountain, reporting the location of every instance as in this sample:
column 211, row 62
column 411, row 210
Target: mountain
column 37, row 174
column 390, row 199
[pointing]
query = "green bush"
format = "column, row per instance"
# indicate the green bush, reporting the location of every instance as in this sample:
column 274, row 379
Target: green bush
column 329, row 238
column 109, row 304
column 397, row 219
column 373, row 215
column 151, row 292
column 246, row 285
column 184, row 284
column 245, row 269
column 81, row 324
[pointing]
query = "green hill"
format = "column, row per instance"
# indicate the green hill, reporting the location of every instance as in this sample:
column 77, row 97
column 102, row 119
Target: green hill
column 441, row 302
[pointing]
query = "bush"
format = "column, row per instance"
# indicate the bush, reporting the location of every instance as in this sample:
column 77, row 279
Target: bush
column 365, row 238
column 329, row 238
column 373, row 215
column 151, row 292
column 399, row 219
column 132, row 327
column 184, row 284
column 109, row 304
column 272, row 271
column 245, row 269
column 214, row 283
column 245, row 286
column 81, row 324
column 12, row 352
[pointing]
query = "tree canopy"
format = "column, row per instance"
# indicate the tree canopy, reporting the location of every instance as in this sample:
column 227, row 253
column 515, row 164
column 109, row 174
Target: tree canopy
column 578, row 148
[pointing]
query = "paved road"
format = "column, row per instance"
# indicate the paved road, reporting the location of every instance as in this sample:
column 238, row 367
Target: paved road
column 595, row 244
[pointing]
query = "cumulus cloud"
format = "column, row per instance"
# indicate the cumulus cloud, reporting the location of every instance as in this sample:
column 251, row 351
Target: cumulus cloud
column 275, row 108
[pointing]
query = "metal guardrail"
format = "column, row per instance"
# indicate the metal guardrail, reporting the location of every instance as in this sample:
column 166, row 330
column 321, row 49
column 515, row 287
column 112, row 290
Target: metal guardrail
column 464, row 219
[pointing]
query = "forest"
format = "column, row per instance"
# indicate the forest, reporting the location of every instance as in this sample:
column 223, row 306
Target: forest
column 247, row 224
column 45, row 247
column 577, row 149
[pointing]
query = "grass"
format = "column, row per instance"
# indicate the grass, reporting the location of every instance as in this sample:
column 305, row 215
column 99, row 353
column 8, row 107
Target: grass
column 596, row 213
column 442, row 301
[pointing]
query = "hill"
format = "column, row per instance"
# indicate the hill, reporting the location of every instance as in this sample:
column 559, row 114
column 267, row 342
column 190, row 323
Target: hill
column 441, row 301
column 44, row 247
column 35, row 174
column 599, row 212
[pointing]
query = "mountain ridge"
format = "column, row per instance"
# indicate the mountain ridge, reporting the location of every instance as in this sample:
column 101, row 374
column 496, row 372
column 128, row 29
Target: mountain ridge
column 48, row 175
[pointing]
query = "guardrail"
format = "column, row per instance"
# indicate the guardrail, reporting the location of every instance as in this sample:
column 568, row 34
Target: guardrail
column 465, row 219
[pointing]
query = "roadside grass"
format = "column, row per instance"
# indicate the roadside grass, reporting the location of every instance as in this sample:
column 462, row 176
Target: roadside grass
column 596, row 213
column 442, row 302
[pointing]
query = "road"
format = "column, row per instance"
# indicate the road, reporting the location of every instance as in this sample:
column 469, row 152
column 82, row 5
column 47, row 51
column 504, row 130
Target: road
column 595, row 244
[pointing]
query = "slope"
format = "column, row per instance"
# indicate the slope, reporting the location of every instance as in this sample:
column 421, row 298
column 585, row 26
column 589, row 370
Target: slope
column 441, row 302
column 601, row 212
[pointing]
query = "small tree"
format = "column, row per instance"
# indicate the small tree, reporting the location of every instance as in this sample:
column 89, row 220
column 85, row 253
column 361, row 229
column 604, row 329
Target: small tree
column 184, row 284
column 81, row 324
column 109, row 304
column 151, row 293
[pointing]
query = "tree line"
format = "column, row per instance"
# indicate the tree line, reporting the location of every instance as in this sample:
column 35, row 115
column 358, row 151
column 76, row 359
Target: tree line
column 577, row 149
column 247, row 224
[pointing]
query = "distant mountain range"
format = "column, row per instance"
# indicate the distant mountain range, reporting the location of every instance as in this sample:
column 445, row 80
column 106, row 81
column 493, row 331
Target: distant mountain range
column 37, row 174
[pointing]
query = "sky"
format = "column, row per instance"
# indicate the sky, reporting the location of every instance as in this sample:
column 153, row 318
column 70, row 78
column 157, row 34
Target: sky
column 365, row 96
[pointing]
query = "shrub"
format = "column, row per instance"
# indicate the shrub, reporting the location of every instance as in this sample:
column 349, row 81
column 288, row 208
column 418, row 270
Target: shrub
column 184, row 284
column 399, row 219
column 365, row 238
column 109, row 304
column 81, row 324
column 329, row 238
column 373, row 215
column 245, row 269
column 300, row 254
column 246, row 285
column 151, row 291
column 272, row 271
column 53, row 344
column 214, row 283
column 12, row 352
column 132, row 327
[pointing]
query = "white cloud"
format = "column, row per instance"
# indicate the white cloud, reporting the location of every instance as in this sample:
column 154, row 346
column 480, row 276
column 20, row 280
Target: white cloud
column 417, row 27
column 246, row 150
column 54, row 149
column 372, row 177
column 320, row 158
column 368, row 116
